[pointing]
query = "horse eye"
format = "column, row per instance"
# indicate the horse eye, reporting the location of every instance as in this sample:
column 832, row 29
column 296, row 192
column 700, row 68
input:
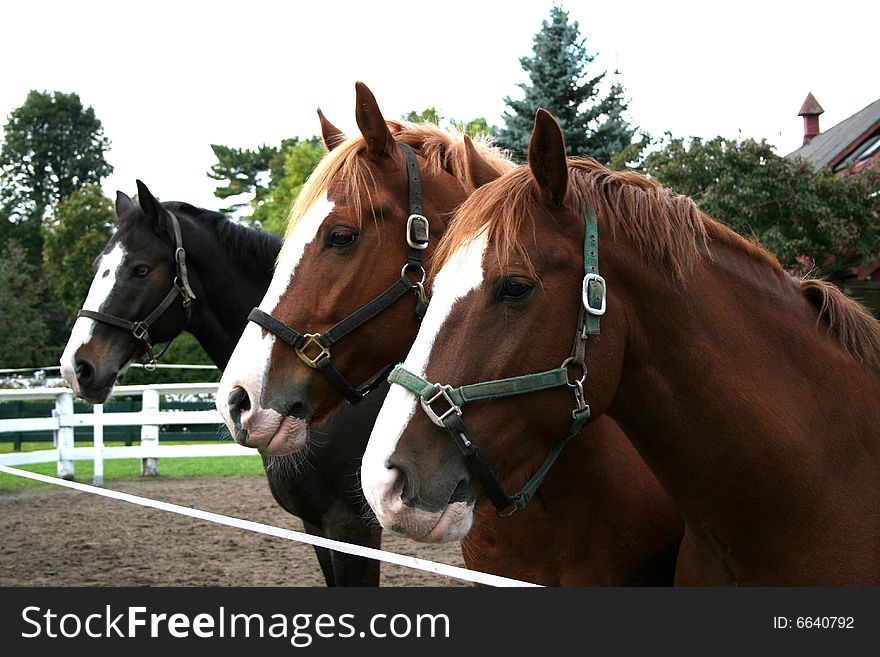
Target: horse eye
column 342, row 236
column 514, row 289
column 141, row 271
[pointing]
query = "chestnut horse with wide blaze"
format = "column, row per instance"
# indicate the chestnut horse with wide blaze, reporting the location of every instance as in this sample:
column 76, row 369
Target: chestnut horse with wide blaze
column 752, row 395
column 352, row 234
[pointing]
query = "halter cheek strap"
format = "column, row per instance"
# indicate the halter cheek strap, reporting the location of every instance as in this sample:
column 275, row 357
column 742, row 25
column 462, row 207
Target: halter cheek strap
column 181, row 287
column 314, row 348
column 443, row 404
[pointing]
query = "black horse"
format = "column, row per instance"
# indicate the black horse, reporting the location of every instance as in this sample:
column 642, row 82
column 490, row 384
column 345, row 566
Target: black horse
column 145, row 292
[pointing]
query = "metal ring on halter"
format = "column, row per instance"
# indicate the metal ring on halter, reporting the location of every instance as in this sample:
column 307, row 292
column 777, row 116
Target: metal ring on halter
column 577, row 362
column 419, row 268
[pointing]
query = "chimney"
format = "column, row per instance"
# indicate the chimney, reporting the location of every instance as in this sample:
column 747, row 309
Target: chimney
column 810, row 110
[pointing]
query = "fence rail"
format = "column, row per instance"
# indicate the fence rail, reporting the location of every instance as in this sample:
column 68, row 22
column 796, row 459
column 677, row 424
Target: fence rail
column 65, row 420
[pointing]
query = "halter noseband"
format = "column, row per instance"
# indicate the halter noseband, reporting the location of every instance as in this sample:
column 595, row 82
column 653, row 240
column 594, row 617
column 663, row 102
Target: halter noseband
column 314, row 348
column 450, row 416
column 180, row 287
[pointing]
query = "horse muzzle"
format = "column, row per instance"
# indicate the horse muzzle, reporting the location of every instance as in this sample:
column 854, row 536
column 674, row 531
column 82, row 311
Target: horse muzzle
column 401, row 509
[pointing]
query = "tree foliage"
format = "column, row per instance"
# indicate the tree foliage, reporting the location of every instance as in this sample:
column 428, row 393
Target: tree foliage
column 300, row 159
column 427, row 115
column 52, row 146
column 242, row 170
column 474, row 127
column 271, row 175
column 810, row 221
column 24, row 334
column 72, row 239
column 562, row 83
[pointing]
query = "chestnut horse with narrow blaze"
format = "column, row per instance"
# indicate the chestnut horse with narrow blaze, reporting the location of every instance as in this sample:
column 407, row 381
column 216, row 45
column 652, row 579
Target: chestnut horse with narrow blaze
column 347, row 241
column 752, row 395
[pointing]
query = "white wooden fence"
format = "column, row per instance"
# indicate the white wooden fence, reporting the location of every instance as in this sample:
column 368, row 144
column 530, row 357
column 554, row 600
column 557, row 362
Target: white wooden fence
column 63, row 422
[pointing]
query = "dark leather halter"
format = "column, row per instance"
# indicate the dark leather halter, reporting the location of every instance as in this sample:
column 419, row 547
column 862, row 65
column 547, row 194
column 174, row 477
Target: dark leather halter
column 314, row 348
column 181, row 287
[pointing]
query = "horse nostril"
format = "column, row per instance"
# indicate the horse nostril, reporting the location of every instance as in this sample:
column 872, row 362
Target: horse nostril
column 463, row 491
column 238, row 402
column 84, row 371
column 298, row 409
column 403, row 485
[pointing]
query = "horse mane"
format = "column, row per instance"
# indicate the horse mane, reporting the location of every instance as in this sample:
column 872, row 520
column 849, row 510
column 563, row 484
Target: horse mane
column 857, row 330
column 667, row 228
column 249, row 245
column 444, row 150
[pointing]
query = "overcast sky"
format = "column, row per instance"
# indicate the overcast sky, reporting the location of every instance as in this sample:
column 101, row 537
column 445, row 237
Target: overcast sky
column 167, row 79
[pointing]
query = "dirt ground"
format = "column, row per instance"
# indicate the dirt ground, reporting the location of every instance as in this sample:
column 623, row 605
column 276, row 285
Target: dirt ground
column 62, row 537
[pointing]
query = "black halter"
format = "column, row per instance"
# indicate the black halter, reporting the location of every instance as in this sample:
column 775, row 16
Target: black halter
column 181, row 287
column 314, row 348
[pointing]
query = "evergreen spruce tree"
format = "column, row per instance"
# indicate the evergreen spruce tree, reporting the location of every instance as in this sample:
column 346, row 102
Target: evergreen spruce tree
column 560, row 83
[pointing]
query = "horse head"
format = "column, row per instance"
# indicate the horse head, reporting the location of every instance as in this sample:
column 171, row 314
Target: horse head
column 505, row 312
column 137, row 274
column 350, row 285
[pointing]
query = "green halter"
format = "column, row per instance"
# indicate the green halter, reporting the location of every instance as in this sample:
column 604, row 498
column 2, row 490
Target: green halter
column 450, row 418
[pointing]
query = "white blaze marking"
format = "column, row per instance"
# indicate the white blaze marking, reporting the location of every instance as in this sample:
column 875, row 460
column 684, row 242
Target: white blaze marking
column 249, row 362
column 109, row 272
column 462, row 274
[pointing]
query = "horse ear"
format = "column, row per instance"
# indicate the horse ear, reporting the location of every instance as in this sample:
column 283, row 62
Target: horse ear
column 371, row 123
column 479, row 171
column 332, row 135
column 547, row 159
column 123, row 203
column 155, row 214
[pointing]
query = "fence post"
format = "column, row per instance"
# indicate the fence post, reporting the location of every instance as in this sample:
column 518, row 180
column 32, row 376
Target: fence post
column 64, row 435
column 17, row 437
column 150, row 433
column 98, row 441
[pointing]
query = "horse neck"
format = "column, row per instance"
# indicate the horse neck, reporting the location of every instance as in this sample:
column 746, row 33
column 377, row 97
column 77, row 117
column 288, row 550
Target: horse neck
column 228, row 282
column 732, row 394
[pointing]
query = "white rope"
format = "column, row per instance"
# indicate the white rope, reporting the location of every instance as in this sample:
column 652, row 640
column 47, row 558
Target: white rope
column 287, row 534
column 163, row 366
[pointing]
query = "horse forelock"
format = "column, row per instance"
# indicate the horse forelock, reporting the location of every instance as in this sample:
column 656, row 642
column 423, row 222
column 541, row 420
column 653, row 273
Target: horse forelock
column 347, row 172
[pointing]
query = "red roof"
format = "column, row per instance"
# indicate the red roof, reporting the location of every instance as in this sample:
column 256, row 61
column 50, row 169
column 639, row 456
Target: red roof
column 811, row 107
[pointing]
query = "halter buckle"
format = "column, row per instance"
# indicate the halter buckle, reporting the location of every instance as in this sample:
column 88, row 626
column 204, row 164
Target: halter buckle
column 599, row 310
column 442, row 393
column 312, row 339
column 139, row 331
column 417, row 231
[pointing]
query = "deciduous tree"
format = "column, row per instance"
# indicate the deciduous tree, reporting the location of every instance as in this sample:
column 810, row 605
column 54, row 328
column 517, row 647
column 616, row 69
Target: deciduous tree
column 811, row 221
column 73, row 238
column 24, row 334
column 474, row 127
column 52, row 146
column 300, row 159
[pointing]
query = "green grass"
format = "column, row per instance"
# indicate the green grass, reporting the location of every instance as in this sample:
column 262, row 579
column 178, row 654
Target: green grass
column 129, row 469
